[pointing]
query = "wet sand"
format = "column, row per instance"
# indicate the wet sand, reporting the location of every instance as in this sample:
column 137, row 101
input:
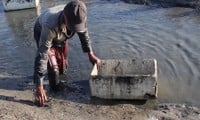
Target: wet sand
column 75, row 103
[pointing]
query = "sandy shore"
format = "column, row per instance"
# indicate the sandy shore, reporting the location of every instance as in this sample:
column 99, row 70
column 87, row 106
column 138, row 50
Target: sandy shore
column 75, row 103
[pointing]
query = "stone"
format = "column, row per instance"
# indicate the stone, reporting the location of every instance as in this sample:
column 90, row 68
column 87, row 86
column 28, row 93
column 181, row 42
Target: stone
column 125, row 79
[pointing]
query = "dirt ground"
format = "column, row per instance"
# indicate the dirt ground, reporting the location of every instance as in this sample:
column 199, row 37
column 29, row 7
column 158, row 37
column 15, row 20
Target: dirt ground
column 75, row 103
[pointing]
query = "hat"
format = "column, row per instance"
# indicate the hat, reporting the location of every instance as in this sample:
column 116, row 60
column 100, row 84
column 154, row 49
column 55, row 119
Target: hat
column 76, row 13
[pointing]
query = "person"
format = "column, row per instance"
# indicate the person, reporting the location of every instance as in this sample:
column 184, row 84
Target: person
column 52, row 30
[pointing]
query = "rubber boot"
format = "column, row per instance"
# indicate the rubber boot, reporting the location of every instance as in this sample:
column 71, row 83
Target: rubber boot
column 54, row 81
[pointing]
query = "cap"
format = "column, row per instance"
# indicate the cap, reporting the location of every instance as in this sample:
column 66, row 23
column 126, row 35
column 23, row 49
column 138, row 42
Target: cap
column 76, row 13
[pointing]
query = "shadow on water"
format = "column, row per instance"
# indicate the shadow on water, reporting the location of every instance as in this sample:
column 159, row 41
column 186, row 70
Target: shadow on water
column 16, row 83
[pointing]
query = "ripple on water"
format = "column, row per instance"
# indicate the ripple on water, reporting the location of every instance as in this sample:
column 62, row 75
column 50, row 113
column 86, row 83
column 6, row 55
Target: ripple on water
column 120, row 30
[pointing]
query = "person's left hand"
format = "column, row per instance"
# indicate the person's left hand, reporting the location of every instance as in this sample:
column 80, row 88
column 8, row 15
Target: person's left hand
column 94, row 59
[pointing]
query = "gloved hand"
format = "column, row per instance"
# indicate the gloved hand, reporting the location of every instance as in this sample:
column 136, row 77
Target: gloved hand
column 40, row 95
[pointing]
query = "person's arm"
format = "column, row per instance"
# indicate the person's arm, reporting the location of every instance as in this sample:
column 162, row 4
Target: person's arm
column 85, row 41
column 86, row 46
column 41, row 60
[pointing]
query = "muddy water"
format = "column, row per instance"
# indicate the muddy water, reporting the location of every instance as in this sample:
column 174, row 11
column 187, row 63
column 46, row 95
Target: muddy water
column 117, row 30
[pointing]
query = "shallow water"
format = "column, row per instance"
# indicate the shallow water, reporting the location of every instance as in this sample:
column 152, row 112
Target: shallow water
column 118, row 30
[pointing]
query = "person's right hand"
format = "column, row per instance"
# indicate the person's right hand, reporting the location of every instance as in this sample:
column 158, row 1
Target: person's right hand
column 40, row 95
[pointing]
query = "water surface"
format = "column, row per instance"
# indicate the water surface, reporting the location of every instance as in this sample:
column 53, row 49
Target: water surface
column 118, row 31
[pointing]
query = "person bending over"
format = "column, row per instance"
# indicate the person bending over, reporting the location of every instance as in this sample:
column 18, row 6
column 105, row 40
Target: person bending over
column 52, row 30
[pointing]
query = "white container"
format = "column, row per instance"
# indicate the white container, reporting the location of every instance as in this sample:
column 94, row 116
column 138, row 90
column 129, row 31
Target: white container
column 19, row 4
column 125, row 79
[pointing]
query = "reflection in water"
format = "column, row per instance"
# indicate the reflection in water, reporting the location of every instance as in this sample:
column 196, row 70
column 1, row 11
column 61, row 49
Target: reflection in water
column 119, row 30
column 21, row 24
column 17, row 44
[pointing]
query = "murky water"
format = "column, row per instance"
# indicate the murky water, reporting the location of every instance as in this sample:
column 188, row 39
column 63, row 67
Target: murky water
column 117, row 30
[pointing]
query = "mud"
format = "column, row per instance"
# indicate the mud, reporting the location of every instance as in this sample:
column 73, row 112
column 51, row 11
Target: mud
column 75, row 103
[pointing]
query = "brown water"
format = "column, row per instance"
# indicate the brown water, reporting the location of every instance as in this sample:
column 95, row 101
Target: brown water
column 118, row 30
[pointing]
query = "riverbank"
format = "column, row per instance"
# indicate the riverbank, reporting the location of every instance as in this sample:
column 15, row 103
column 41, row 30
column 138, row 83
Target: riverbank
column 180, row 3
column 75, row 103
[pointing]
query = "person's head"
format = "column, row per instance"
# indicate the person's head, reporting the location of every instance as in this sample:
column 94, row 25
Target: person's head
column 76, row 15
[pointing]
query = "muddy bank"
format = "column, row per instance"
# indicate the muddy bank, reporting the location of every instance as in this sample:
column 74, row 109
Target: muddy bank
column 75, row 103
column 180, row 3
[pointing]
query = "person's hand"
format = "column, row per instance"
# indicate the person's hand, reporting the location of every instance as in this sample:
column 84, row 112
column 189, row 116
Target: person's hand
column 40, row 95
column 94, row 59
